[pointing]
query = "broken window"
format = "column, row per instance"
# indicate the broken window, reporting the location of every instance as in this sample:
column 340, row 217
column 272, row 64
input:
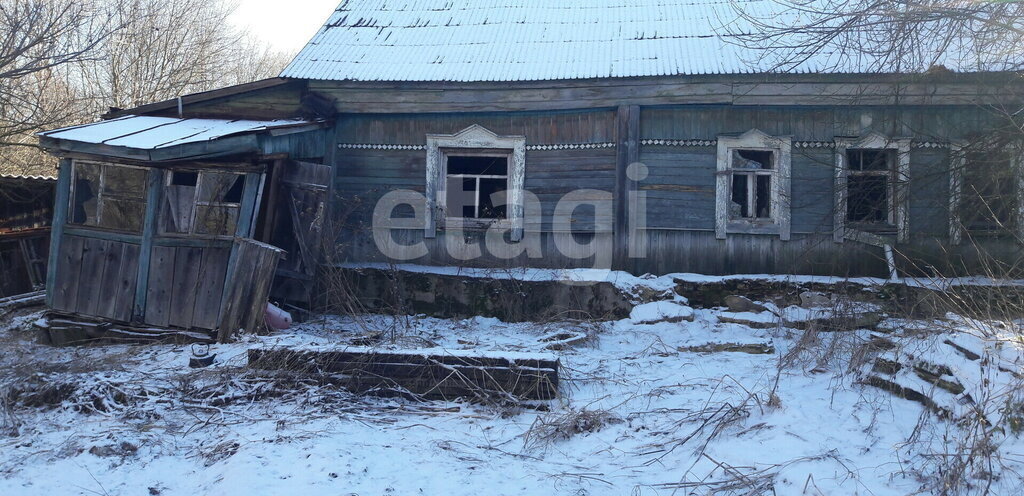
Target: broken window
column 751, row 175
column 109, row 196
column 988, row 193
column 470, row 182
column 869, row 185
column 201, row 202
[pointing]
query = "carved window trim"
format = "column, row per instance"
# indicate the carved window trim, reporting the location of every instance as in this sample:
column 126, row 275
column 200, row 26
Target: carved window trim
column 957, row 168
column 472, row 138
column 781, row 148
column 900, row 204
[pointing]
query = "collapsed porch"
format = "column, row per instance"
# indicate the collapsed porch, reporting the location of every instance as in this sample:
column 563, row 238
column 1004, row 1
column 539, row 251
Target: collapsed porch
column 160, row 224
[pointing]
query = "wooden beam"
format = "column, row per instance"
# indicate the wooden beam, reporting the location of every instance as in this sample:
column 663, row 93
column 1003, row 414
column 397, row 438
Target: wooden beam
column 60, row 217
column 154, row 193
column 627, row 152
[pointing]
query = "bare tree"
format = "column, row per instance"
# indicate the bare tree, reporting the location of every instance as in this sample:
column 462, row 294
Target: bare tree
column 168, row 48
column 39, row 39
column 884, row 35
column 64, row 62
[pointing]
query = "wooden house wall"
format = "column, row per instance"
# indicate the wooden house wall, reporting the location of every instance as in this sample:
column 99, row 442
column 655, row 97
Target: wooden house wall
column 679, row 188
column 363, row 175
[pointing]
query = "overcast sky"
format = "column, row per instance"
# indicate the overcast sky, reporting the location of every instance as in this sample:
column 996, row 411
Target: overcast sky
column 286, row 24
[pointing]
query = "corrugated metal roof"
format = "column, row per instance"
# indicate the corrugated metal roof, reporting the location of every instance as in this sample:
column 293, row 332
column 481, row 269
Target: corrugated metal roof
column 529, row 40
column 151, row 133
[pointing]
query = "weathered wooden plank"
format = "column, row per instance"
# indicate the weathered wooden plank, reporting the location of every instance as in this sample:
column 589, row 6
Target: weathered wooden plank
column 187, row 264
column 206, row 313
column 160, row 283
column 123, row 292
column 90, row 279
column 69, row 265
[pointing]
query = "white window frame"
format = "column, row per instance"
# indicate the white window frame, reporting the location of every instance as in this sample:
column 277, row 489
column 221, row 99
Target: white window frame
column 473, row 140
column 779, row 201
column 898, row 184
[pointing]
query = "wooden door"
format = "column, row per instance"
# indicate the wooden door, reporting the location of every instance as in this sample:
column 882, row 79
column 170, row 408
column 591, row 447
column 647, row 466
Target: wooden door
column 298, row 227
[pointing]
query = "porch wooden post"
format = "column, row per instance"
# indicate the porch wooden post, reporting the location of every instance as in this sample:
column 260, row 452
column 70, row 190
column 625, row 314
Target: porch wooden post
column 60, row 216
column 154, row 192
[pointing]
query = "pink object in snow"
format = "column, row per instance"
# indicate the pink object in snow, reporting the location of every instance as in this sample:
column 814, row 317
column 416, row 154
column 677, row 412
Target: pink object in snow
column 277, row 319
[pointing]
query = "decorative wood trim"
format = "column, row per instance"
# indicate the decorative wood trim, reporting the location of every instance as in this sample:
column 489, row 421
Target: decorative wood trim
column 474, row 137
column 555, row 146
column 781, row 190
column 678, row 142
column 901, row 188
column 814, row 144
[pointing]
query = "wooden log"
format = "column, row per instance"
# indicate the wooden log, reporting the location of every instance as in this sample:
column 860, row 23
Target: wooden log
column 429, row 375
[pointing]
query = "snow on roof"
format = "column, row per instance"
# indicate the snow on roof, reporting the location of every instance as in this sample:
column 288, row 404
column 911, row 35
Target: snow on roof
column 151, row 133
column 533, row 40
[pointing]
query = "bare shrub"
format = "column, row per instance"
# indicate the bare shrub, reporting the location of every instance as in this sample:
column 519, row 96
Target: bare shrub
column 554, row 427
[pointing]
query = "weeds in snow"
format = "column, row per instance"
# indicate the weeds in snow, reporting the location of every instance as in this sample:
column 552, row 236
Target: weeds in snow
column 547, row 429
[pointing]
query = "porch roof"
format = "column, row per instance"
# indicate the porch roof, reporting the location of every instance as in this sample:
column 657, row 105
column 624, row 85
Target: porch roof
column 149, row 138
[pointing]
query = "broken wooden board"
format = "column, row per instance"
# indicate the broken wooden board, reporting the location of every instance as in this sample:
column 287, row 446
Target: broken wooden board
column 67, row 330
column 430, row 374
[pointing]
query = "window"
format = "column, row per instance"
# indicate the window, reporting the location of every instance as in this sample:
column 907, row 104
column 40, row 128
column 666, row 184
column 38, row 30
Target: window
column 988, row 195
column 752, row 187
column 201, row 202
column 108, row 196
column 869, row 186
column 470, row 182
column 752, row 174
column 463, row 171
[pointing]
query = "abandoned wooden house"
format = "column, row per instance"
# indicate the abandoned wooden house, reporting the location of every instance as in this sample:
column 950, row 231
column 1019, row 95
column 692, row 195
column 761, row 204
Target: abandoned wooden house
column 26, row 203
column 629, row 131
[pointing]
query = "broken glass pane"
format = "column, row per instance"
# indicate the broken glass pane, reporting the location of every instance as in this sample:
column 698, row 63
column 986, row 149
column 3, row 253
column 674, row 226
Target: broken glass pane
column 122, row 214
column 124, row 182
column 85, row 204
column 751, row 159
column 221, row 187
column 216, row 220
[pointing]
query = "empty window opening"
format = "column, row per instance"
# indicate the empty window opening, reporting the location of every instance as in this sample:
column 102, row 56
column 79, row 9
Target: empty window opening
column 869, row 185
column 752, row 173
column 471, row 182
column 988, row 192
column 202, row 203
column 184, row 178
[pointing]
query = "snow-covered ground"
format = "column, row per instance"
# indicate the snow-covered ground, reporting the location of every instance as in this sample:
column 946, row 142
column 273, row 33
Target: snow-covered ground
column 637, row 416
